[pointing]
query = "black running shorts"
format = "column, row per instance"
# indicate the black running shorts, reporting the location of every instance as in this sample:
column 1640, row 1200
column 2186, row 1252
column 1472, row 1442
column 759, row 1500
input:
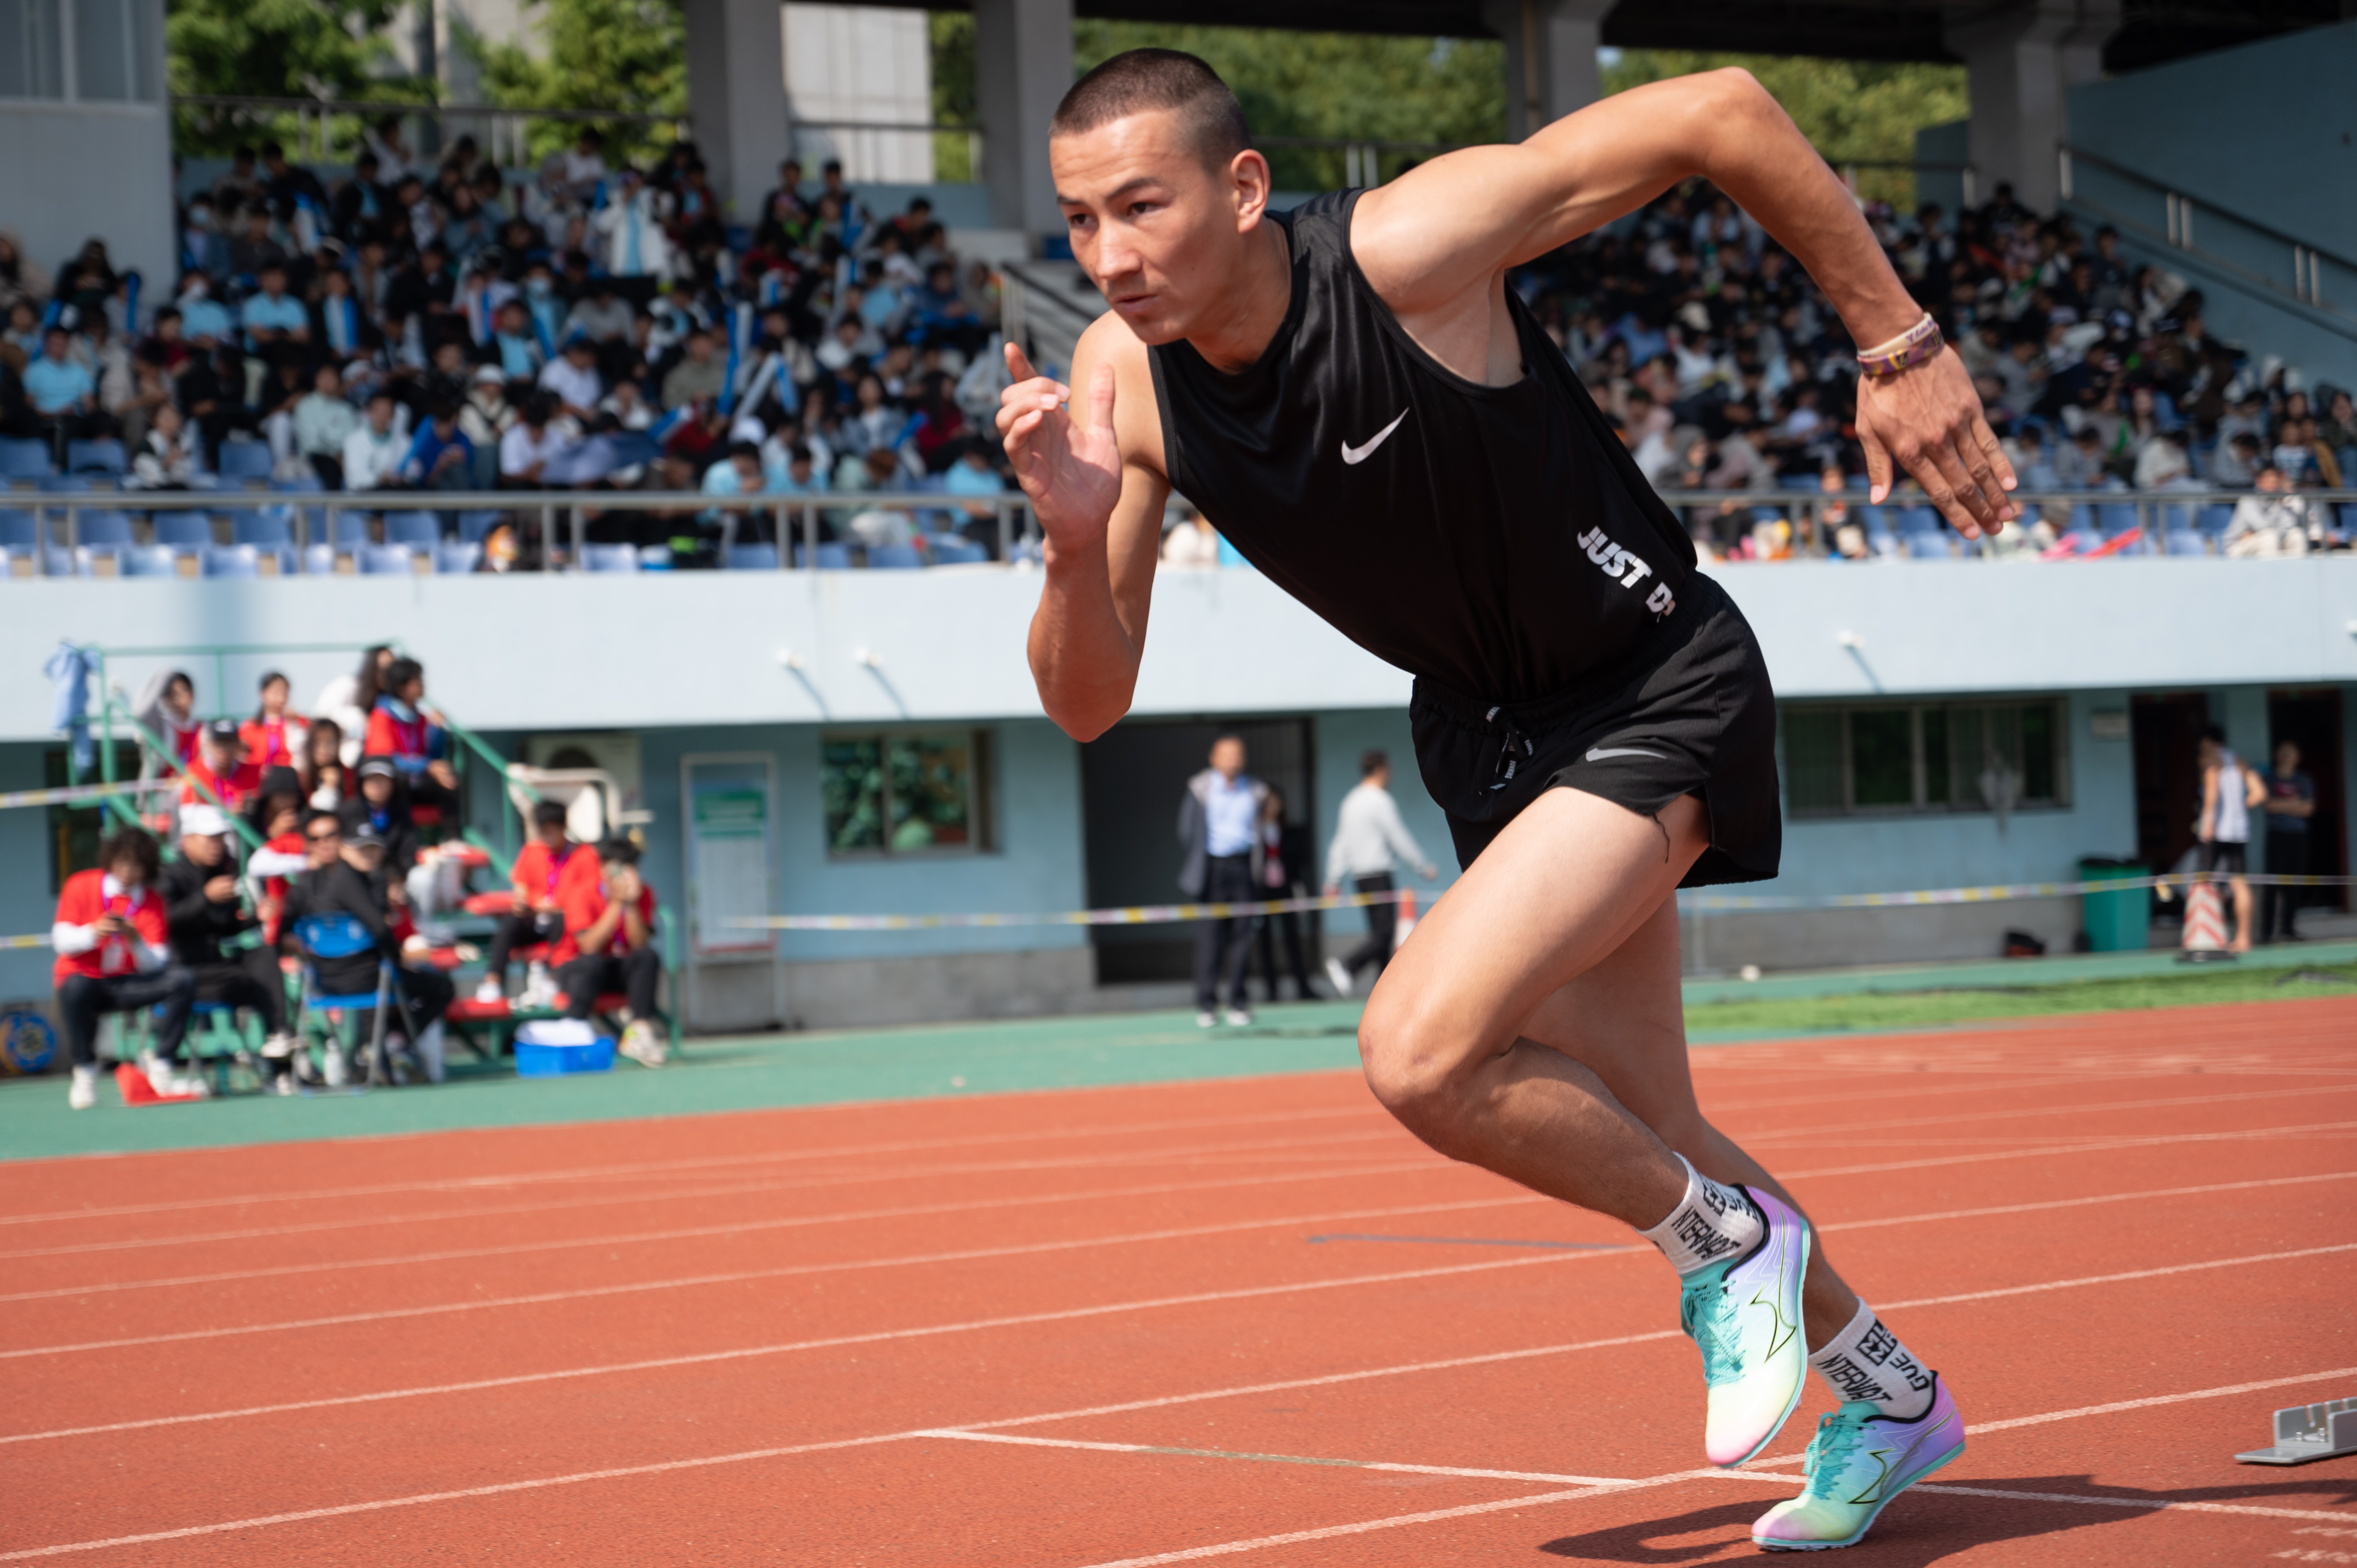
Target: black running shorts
column 2226, row 856
column 1687, row 711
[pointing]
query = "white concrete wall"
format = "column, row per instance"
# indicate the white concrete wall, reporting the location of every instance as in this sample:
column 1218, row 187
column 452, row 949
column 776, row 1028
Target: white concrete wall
column 71, row 172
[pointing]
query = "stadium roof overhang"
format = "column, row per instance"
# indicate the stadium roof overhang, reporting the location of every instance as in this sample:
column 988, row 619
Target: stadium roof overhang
column 2151, row 31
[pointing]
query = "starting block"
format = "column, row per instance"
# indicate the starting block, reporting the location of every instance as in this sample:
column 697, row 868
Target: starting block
column 2305, row 1433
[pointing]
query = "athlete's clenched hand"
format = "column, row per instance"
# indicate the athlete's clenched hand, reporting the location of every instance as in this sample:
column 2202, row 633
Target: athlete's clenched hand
column 1071, row 472
column 1928, row 418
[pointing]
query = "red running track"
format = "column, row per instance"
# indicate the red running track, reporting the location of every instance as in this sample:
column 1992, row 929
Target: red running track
column 1247, row 1319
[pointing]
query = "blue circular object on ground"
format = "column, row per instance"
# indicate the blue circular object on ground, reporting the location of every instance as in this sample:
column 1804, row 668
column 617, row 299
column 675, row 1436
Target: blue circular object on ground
column 28, row 1044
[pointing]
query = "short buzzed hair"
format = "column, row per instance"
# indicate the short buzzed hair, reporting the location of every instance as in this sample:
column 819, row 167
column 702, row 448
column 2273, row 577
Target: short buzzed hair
column 1141, row 79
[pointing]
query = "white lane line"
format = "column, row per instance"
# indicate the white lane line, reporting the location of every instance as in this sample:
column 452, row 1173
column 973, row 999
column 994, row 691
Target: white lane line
column 2166, row 1103
column 2156, row 1505
column 1069, row 1314
column 2102, row 1146
column 790, row 1270
column 1278, row 1151
column 750, row 1352
column 964, row 1436
column 583, row 1293
column 662, row 1167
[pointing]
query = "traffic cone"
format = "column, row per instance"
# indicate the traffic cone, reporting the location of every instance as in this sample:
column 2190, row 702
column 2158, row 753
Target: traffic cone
column 1406, row 917
column 137, row 1090
column 2205, row 926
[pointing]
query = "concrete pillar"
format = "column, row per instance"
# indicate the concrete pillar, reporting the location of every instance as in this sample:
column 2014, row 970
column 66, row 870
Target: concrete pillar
column 1022, row 69
column 1550, row 57
column 2021, row 61
column 737, row 95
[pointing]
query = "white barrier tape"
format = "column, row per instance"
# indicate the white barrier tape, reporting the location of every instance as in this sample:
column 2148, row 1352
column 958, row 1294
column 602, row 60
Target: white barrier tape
column 1165, row 914
column 1134, row 915
column 1713, row 903
column 71, row 793
column 40, row 939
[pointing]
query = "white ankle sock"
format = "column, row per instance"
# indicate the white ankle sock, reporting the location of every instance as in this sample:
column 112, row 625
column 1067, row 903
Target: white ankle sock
column 1712, row 1222
column 1865, row 1361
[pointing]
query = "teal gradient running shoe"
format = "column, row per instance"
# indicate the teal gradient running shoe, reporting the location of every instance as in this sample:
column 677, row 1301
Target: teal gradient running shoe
column 1858, row 1461
column 1745, row 1317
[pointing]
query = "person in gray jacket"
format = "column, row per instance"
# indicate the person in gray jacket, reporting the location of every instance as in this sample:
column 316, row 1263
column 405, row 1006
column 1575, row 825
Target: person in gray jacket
column 1217, row 822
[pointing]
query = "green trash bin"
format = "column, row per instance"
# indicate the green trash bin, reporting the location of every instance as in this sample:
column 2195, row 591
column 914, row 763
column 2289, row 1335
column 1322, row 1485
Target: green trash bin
column 2118, row 919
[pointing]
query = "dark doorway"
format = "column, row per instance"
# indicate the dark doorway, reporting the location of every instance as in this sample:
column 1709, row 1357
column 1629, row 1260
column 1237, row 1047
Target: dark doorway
column 2311, row 720
column 1131, row 780
column 2168, row 732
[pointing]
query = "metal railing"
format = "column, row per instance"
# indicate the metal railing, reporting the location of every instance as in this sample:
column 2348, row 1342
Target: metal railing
column 880, row 149
column 566, row 514
column 1043, row 320
column 2244, row 248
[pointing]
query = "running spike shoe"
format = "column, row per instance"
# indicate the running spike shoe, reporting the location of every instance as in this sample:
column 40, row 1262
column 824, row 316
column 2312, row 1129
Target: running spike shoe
column 1858, row 1461
column 1745, row 1316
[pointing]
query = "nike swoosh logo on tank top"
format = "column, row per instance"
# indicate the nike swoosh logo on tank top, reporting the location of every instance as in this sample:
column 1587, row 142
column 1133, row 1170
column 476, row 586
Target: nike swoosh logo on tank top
column 1354, row 455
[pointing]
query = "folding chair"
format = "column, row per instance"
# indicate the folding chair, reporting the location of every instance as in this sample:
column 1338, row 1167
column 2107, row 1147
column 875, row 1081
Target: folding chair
column 342, row 936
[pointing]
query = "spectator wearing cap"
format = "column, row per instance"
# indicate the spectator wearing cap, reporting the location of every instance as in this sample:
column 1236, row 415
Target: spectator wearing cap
column 609, row 945
column 114, row 948
column 212, row 930
column 382, row 806
column 542, row 878
column 221, row 774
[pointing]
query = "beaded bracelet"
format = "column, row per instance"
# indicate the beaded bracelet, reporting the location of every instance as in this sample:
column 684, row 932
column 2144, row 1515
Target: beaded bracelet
column 1918, row 343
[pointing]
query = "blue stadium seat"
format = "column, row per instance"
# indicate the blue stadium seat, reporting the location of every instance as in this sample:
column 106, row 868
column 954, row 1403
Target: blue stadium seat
column 456, row 557
column 352, row 531
column 103, row 528
column 387, row 560
column 243, row 460
column 2187, row 542
column 2348, row 511
column 1797, row 482
column 19, row 530
column 61, row 562
column 474, row 526
column 609, row 558
column 1928, row 546
column 64, row 484
column 320, row 561
column 233, row 561
column 271, row 528
column 414, row 528
column 949, row 549
column 831, row 557
column 1919, row 518
column 2214, row 519
column 298, row 484
column 151, row 561
column 751, row 558
column 2117, row 517
column 654, row 558
column 106, row 456
column 891, row 557
column 20, row 562
column 24, row 460
column 183, row 530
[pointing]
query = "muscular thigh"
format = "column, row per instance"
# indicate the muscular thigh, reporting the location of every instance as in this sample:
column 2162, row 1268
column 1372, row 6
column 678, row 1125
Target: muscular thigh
column 1533, row 937
column 1624, row 1019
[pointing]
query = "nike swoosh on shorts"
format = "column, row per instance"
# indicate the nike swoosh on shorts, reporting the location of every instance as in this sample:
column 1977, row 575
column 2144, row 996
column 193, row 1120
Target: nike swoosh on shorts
column 1354, row 455
column 1598, row 754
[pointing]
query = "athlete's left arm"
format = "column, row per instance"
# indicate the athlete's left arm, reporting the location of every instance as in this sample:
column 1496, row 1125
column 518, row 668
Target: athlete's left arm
column 1436, row 244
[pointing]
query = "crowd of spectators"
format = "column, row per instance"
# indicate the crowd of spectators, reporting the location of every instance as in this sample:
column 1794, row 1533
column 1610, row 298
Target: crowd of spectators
column 349, row 816
column 415, row 326
column 1724, row 368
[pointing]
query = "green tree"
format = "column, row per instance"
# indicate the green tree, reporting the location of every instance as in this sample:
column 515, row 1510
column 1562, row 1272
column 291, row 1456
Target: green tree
column 953, row 102
column 1852, row 111
column 614, row 56
column 272, row 48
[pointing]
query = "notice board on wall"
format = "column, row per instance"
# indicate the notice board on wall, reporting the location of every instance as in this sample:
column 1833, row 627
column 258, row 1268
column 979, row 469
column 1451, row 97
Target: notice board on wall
column 727, row 826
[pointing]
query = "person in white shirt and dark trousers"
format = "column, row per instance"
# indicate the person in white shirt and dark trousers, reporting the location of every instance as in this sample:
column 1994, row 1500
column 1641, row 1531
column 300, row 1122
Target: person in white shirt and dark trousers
column 1368, row 836
column 1219, row 821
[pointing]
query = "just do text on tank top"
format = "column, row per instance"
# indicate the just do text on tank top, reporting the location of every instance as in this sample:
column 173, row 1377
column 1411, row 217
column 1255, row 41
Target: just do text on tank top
column 1496, row 540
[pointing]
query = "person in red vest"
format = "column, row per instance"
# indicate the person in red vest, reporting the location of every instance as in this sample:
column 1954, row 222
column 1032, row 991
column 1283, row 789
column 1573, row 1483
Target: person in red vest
column 402, row 727
column 275, row 737
column 114, row 955
column 545, row 870
column 222, row 767
column 610, row 945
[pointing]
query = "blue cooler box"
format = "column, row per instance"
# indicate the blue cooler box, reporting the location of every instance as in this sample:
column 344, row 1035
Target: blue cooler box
column 553, row 1047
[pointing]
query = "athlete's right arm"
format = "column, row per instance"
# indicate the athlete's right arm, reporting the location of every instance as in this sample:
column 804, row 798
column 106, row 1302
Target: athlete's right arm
column 1096, row 486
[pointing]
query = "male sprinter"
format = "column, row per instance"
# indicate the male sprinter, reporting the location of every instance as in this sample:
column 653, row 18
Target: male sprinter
column 1354, row 397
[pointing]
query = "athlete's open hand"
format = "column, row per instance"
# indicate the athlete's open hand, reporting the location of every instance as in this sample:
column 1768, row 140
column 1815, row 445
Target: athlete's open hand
column 1071, row 471
column 1928, row 418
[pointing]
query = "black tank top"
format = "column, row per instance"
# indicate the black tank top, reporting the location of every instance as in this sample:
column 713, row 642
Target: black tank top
column 1497, row 540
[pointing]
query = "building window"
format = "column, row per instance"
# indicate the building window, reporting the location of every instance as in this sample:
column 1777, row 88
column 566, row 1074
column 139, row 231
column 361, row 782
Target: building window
column 31, row 49
column 905, row 794
column 88, row 51
column 1862, row 759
